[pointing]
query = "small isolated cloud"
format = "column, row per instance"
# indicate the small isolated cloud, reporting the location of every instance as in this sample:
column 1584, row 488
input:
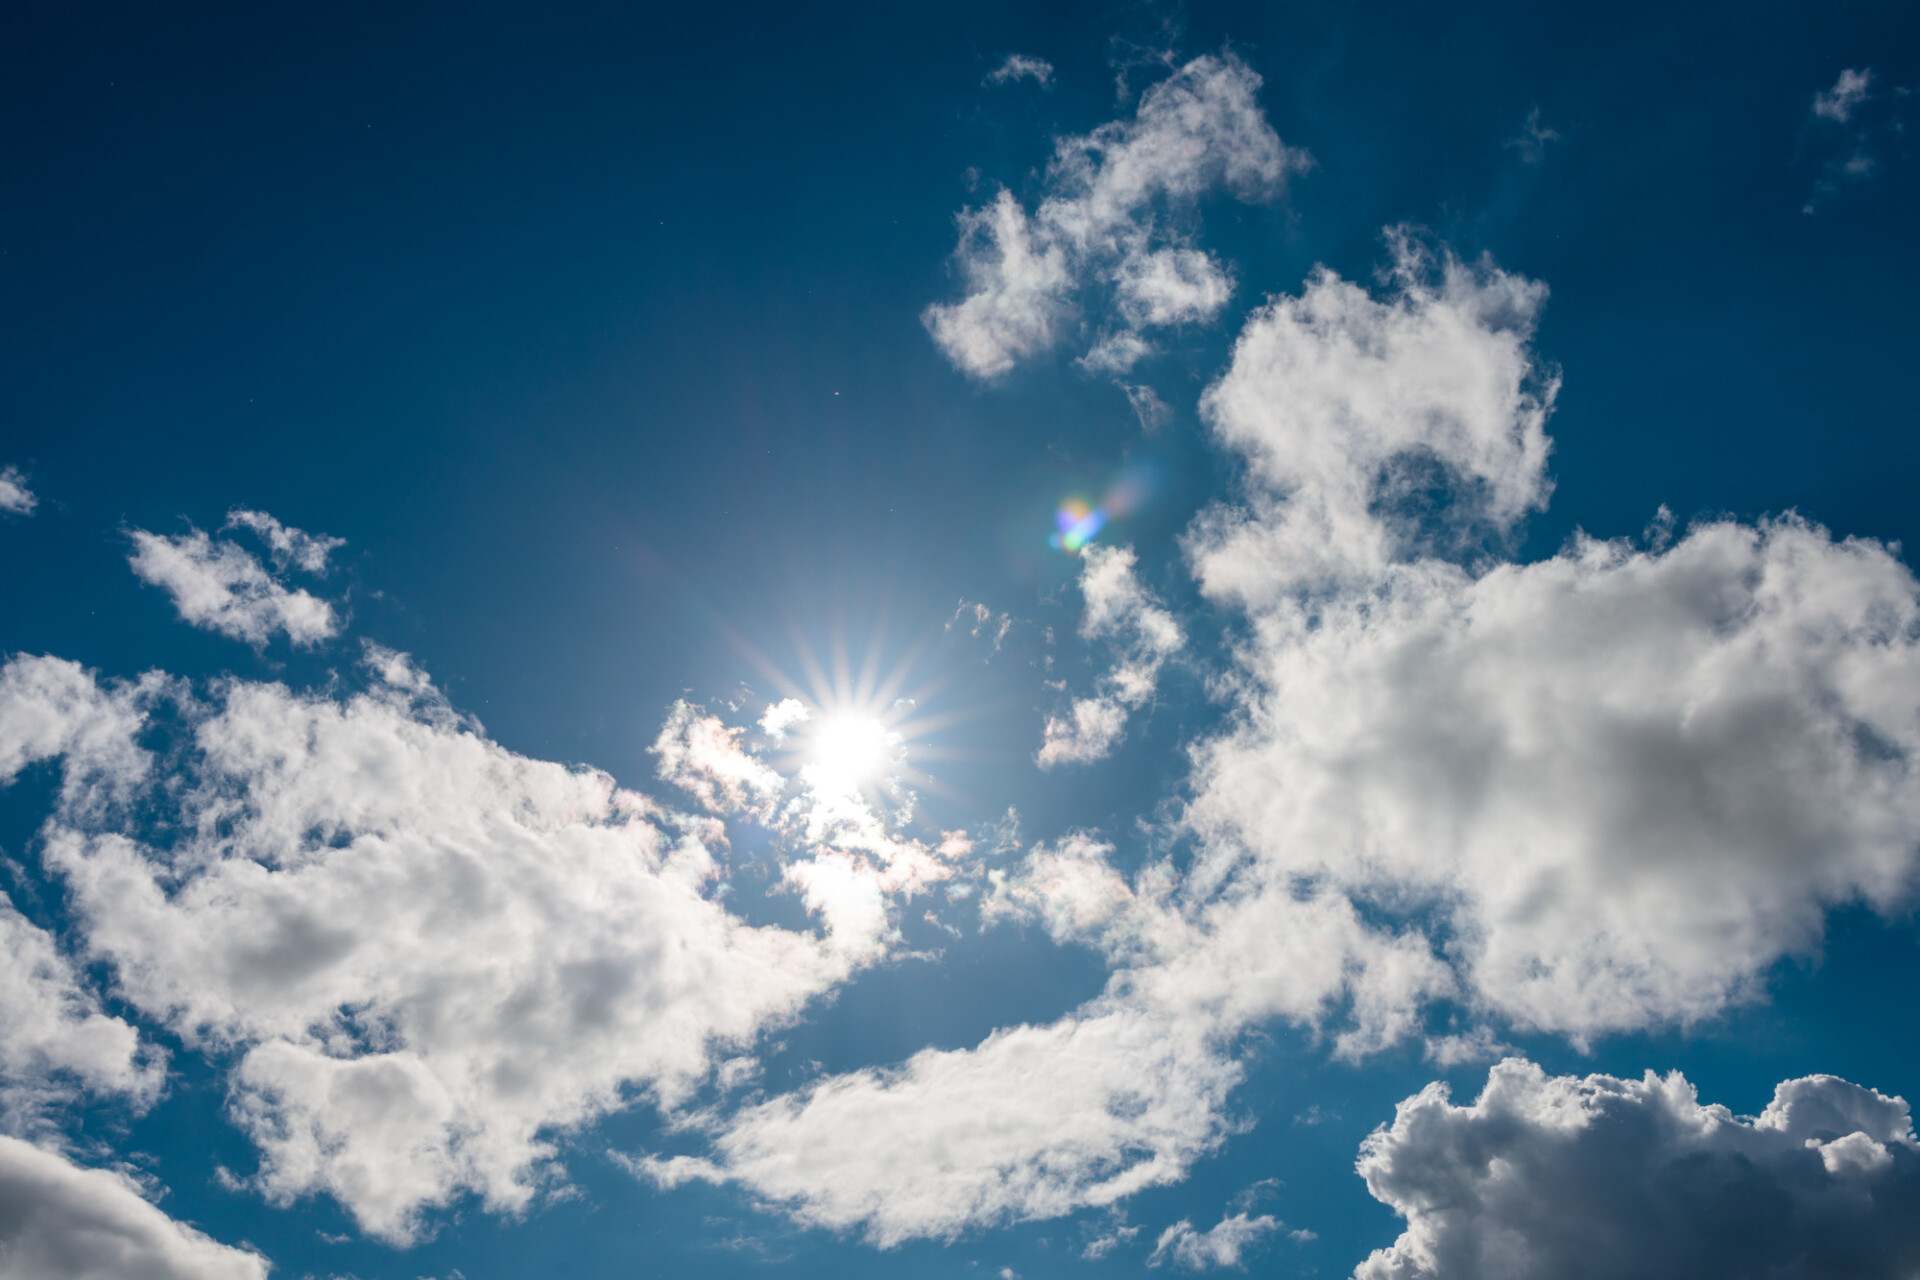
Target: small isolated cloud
column 1108, row 1236
column 1855, row 127
column 15, row 498
column 1223, row 1245
column 220, row 586
column 1840, row 102
column 60, row 1221
column 1120, row 610
column 1117, row 217
column 1533, row 139
column 1021, row 66
column 1581, row 1178
column 1148, row 408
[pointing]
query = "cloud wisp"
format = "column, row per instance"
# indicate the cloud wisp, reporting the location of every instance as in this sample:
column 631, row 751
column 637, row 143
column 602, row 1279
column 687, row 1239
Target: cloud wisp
column 16, row 499
column 1122, row 612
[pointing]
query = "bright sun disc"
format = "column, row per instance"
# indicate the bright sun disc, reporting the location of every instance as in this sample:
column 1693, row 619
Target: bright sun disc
column 848, row 750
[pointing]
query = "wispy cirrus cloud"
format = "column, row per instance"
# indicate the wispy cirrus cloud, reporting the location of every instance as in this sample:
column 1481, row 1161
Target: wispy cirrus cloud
column 1022, row 66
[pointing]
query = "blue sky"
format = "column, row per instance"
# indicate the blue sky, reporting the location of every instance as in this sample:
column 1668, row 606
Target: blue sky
column 959, row 641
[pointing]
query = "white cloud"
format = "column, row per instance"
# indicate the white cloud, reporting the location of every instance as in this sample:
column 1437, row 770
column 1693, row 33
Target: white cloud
column 1225, row 1244
column 15, row 498
column 1589, row 1177
column 1599, row 792
column 1118, row 609
column 1116, row 213
column 426, row 954
column 1340, row 401
column 305, row 551
column 1017, row 285
column 59, row 1221
column 55, row 1041
column 221, row 586
column 1624, row 781
column 1022, row 66
column 701, row 755
column 1034, row 1122
column 1849, row 91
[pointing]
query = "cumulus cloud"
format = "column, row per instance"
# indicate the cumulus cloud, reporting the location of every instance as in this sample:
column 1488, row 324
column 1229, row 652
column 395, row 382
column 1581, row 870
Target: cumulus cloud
column 1034, row 1122
column 221, row 586
column 1022, row 66
column 1225, row 1244
column 1598, row 792
column 1348, row 408
column 16, row 499
column 55, row 1041
column 425, row 954
column 60, row 1221
column 1574, row 1177
column 1116, row 216
column 1144, row 635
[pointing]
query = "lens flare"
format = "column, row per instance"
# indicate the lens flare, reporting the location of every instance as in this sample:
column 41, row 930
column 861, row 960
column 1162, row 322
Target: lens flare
column 1077, row 523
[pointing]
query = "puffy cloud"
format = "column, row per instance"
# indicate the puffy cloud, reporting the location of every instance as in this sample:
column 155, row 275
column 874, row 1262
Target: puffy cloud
column 1122, row 611
column 1017, row 285
column 55, row 1041
column 1115, row 214
column 1626, row 780
column 1022, row 66
column 16, row 499
column 1225, row 1244
column 1598, row 792
column 1575, row 1177
column 426, row 954
column 701, row 755
column 1034, row 1122
column 1849, row 91
column 1349, row 409
column 219, row 585
column 59, row 1221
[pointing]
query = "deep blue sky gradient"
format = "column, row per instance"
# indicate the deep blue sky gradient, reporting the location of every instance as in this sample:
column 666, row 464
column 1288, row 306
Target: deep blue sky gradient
column 596, row 334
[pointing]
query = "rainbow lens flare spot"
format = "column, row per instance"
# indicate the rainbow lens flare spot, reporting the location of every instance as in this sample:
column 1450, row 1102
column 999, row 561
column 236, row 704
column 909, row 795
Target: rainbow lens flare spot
column 1075, row 525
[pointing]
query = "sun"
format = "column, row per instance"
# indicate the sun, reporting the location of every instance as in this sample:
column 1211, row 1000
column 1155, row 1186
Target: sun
column 848, row 749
